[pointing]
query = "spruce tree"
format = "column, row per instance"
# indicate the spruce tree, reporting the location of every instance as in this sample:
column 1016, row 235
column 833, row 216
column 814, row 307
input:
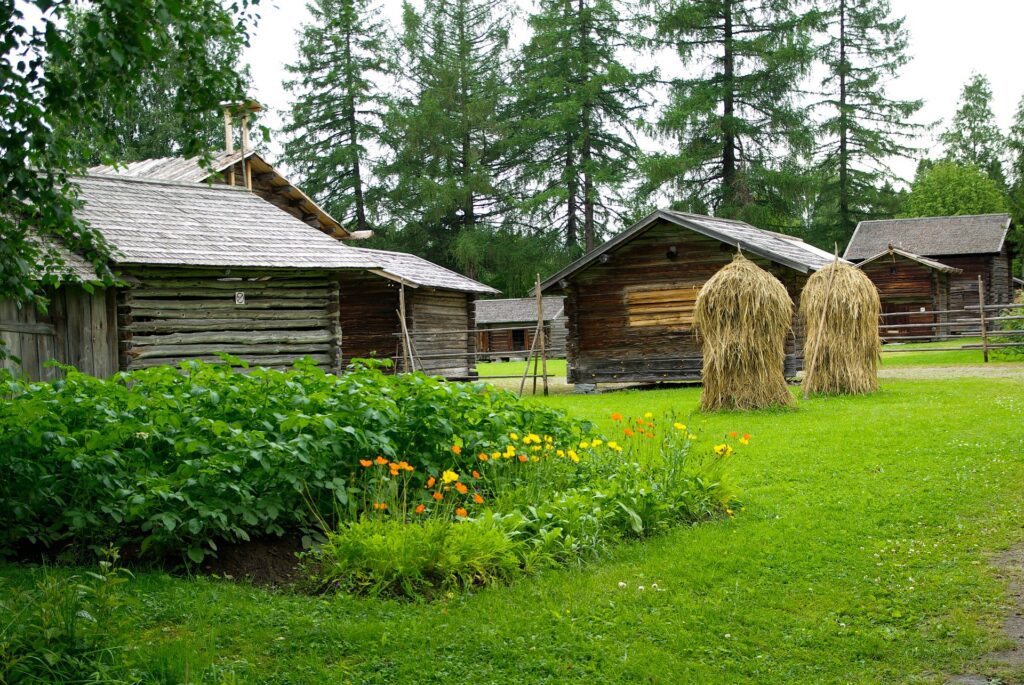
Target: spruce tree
column 973, row 137
column 863, row 127
column 735, row 123
column 447, row 171
column 575, row 104
column 336, row 113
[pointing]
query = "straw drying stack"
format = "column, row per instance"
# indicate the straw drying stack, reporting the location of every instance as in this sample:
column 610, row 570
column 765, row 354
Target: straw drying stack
column 840, row 307
column 743, row 315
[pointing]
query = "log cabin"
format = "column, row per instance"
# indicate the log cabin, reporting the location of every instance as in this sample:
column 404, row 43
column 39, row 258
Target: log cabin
column 506, row 328
column 974, row 245
column 914, row 292
column 629, row 303
column 200, row 270
column 439, row 315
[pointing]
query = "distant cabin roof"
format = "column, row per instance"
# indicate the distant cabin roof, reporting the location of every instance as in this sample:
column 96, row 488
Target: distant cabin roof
column 930, row 263
column 777, row 247
column 933, row 236
column 521, row 310
column 188, row 224
column 192, row 170
column 416, row 271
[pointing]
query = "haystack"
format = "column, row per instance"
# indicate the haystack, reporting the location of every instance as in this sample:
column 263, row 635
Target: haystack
column 840, row 307
column 743, row 315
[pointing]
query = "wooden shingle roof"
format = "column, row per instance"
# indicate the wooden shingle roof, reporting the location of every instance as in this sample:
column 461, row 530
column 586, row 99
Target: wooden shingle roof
column 520, row 310
column 777, row 247
column 416, row 272
column 187, row 224
column 933, row 236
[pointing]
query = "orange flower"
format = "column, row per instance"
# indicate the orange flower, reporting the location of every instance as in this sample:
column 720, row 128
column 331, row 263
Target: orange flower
column 420, row 508
column 404, row 466
column 393, row 468
column 380, row 506
column 456, row 449
column 733, row 434
column 438, row 496
column 746, row 436
column 628, row 432
column 616, row 416
column 482, row 457
column 461, row 512
column 522, row 457
column 639, row 422
column 381, row 460
column 365, row 463
column 430, row 482
column 478, row 499
column 476, row 474
column 461, row 487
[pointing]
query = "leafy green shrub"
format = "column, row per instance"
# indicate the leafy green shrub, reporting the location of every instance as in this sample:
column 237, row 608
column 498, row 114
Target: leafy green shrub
column 167, row 462
column 1016, row 329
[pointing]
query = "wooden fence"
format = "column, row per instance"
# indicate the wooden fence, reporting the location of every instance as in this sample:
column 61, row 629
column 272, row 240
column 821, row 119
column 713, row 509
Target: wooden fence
column 992, row 323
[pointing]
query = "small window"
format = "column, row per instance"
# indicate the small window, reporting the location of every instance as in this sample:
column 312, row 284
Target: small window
column 518, row 339
column 661, row 305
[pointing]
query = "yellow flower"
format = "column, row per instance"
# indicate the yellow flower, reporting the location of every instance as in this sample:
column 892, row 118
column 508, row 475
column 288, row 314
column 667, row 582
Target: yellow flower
column 534, row 459
column 584, row 445
column 679, row 426
column 535, row 448
column 573, row 456
column 723, row 450
column 691, row 436
column 495, row 455
column 449, row 476
column 513, row 437
column 548, row 439
column 612, row 445
column 560, row 453
column 597, row 441
column 532, row 437
column 744, row 441
column 648, row 415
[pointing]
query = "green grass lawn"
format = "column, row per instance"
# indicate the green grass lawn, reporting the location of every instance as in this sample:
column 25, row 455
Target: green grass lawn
column 862, row 555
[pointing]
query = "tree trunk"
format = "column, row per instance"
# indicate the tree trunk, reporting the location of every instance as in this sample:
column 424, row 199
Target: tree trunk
column 845, row 220
column 729, row 180
column 353, row 138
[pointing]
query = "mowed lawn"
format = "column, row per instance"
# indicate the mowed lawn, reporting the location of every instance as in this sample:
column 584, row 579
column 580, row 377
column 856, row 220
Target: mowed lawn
column 862, row 554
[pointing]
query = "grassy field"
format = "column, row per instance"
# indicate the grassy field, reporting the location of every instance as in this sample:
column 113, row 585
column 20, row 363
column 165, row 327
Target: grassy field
column 861, row 555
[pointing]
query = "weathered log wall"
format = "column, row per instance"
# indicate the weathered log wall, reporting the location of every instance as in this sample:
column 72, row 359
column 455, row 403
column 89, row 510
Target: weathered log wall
column 629, row 319
column 501, row 341
column 906, row 288
column 440, row 323
column 170, row 314
column 369, row 317
column 76, row 329
column 994, row 270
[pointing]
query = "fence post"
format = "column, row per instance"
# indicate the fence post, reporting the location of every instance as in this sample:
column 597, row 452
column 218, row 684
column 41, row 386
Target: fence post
column 981, row 316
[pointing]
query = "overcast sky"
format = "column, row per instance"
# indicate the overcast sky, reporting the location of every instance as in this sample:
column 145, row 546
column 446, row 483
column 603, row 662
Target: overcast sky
column 948, row 40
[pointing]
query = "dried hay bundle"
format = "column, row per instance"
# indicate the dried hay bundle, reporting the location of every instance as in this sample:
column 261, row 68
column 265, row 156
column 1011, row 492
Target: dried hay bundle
column 742, row 316
column 840, row 308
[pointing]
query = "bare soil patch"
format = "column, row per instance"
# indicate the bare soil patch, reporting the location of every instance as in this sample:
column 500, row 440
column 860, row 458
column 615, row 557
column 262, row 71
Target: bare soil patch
column 268, row 562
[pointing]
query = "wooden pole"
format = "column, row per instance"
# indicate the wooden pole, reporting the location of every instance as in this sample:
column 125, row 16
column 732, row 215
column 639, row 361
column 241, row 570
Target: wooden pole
column 526, row 371
column 406, row 341
column 981, row 316
column 543, row 340
column 229, row 141
column 246, row 167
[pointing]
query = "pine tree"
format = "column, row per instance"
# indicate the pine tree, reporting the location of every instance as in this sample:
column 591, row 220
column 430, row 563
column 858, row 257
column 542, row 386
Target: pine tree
column 738, row 130
column 973, row 138
column 575, row 103
column 447, row 171
column 863, row 127
column 336, row 116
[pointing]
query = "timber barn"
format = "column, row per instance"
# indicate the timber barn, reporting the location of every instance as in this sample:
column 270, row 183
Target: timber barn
column 201, row 270
column 971, row 246
column 630, row 302
column 506, row 328
column 914, row 291
column 438, row 334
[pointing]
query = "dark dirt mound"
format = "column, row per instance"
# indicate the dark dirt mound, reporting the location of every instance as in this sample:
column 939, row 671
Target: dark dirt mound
column 265, row 561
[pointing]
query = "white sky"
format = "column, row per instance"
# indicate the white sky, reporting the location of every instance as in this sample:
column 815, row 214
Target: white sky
column 949, row 39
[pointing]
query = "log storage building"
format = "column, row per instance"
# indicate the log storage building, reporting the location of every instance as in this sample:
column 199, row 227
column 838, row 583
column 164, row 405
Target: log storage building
column 971, row 246
column 203, row 269
column 630, row 302
column 439, row 314
column 911, row 288
column 507, row 327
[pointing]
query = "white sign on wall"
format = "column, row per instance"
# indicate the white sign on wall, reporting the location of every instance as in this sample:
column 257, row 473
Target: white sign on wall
column 239, row 297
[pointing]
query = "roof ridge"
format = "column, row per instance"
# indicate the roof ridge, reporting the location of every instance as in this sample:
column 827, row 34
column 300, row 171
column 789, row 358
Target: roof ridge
column 116, row 178
column 937, row 216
